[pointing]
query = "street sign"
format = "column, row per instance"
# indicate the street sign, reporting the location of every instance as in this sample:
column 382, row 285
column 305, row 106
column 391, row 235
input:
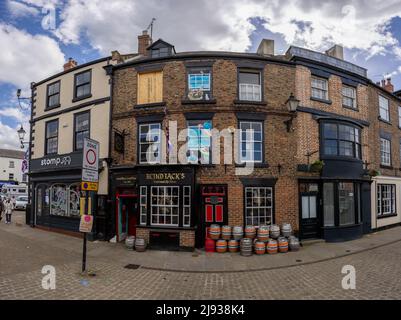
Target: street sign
column 86, row 223
column 82, row 202
column 90, row 159
column 89, row 186
column 90, row 175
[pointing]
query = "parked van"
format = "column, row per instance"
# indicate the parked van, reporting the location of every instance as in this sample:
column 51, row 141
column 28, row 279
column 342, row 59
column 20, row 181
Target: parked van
column 13, row 191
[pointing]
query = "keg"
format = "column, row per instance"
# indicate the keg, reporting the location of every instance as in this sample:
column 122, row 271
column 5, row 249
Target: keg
column 246, row 247
column 130, row 242
column 282, row 244
column 221, row 246
column 210, row 245
column 286, row 230
column 274, row 231
column 293, row 243
column 226, row 232
column 233, row 245
column 140, row 244
column 250, row 232
column 260, row 247
column 272, row 246
column 214, row 232
column 263, row 233
column 238, row 232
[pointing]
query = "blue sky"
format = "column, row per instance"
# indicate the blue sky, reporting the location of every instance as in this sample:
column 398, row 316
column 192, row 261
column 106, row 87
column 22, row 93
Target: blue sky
column 34, row 45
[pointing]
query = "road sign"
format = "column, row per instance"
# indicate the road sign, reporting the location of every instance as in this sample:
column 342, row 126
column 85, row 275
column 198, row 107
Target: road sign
column 90, row 159
column 86, row 223
column 90, row 175
column 89, row 186
column 82, row 202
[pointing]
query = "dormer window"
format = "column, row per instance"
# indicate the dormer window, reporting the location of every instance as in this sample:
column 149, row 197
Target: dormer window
column 158, row 53
column 160, row 49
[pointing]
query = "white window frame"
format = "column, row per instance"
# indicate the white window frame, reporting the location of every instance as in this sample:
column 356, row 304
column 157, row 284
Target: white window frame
column 143, row 205
column 349, row 93
column 164, row 205
column 202, row 88
column 250, row 91
column 384, row 110
column 322, row 88
column 140, row 143
column 265, row 208
column 11, row 164
column 250, row 141
column 386, row 194
column 385, row 152
column 186, row 213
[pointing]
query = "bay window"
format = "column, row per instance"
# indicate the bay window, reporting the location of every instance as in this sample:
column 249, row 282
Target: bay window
column 341, row 140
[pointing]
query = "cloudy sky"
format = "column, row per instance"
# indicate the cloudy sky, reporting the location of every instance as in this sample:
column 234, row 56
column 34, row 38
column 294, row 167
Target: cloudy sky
column 37, row 36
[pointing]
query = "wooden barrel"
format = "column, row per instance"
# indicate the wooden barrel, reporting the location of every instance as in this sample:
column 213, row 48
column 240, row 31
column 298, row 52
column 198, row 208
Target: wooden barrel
column 238, row 232
column 250, row 232
column 233, row 245
column 260, row 247
column 293, row 243
column 226, row 232
column 214, row 232
column 140, row 244
column 221, row 246
column 286, row 230
column 272, row 246
column 210, row 245
column 263, row 233
column 274, row 231
column 130, row 242
column 282, row 245
column 246, row 247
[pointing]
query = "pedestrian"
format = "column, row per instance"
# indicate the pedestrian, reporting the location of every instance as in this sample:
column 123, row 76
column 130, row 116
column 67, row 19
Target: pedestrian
column 1, row 208
column 8, row 210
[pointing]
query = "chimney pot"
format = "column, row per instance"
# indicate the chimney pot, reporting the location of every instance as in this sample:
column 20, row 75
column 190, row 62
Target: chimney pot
column 336, row 51
column 388, row 85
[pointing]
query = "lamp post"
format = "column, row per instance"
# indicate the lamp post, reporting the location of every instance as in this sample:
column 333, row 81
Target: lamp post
column 292, row 106
column 21, row 135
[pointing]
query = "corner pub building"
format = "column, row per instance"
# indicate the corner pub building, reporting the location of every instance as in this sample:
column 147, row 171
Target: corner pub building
column 171, row 205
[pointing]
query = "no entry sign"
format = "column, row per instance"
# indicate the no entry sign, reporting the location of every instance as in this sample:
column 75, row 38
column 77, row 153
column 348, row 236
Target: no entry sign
column 90, row 159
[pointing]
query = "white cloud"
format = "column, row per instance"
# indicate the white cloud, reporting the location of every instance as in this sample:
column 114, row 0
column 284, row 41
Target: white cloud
column 27, row 57
column 14, row 113
column 225, row 25
column 19, row 9
column 9, row 137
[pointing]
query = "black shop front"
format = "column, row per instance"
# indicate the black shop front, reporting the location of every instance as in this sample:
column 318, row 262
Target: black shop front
column 156, row 203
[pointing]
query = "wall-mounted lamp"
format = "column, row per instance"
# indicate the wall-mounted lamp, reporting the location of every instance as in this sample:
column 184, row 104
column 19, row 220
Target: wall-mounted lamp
column 292, row 106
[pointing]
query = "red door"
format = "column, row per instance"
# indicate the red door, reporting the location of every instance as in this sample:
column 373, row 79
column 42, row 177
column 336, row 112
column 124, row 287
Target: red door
column 214, row 206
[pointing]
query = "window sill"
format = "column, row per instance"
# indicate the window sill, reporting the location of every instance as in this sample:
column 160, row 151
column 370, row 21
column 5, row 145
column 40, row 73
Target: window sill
column 341, row 158
column 321, row 100
column 350, row 108
column 256, row 103
column 255, row 165
column 150, row 105
column 386, row 167
column 186, row 101
column 385, row 121
column 76, row 99
column 53, row 107
column 384, row 216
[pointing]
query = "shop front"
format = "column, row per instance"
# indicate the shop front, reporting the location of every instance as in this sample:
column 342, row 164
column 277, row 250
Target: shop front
column 56, row 192
column 155, row 203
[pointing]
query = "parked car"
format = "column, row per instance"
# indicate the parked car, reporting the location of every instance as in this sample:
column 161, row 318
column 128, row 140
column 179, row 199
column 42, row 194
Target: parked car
column 21, row 203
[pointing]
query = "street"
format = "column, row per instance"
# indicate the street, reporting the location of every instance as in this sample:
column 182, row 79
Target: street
column 24, row 251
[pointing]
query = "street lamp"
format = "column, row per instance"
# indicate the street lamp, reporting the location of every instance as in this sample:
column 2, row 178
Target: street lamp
column 292, row 106
column 21, row 135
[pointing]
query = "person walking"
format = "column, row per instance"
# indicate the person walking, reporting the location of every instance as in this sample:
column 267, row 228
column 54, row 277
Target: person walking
column 1, row 208
column 8, row 210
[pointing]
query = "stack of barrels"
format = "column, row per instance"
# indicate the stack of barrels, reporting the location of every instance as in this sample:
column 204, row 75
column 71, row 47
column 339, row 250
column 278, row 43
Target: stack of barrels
column 263, row 239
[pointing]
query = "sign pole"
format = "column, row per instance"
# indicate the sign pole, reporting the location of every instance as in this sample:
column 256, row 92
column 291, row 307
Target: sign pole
column 84, row 244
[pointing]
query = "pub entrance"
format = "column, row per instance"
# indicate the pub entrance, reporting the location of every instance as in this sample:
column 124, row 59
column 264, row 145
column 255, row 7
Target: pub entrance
column 126, row 215
column 213, row 208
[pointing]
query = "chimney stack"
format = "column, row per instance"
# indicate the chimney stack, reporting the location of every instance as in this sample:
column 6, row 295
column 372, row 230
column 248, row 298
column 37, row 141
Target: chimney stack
column 71, row 63
column 144, row 41
column 266, row 48
column 336, row 52
column 387, row 85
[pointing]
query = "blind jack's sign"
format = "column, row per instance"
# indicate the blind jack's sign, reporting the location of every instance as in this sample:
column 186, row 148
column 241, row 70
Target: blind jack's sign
column 172, row 177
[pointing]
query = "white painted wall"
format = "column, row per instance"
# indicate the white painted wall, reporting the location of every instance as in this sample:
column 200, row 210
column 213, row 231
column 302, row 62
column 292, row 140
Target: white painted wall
column 5, row 169
column 377, row 223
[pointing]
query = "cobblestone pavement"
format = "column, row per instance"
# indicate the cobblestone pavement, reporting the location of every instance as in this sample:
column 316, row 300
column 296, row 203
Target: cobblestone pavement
column 21, row 259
